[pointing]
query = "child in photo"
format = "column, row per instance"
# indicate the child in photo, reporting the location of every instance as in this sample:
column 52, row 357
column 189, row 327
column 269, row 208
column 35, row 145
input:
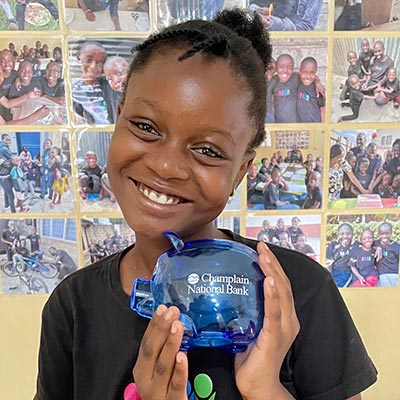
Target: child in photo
column 91, row 93
column 274, row 196
column 90, row 178
column 116, row 70
column 338, row 255
column 284, row 241
column 19, row 183
column 27, row 82
column 393, row 165
column 347, row 186
column 388, row 264
column 362, row 176
column 314, row 192
column 310, row 104
column 53, row 84
column 283, row 90
column 356, row 97
column 304, row 247
column 318, row 165
column 362, row 261
column 179, row 149
column 395, row 186
column 35, row 61
column 310, row 166
column 264, row 169
column 10, row 103
column 383, row 186
column 366, row 57
column 354, row 68
column 389, row 89
column 60, row 176
column 375, row 160
column 89, row 8
column 294, row 230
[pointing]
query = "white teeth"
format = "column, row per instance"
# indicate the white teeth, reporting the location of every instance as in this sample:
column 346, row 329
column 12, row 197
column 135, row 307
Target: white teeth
column 153, row 197
column 157, row 198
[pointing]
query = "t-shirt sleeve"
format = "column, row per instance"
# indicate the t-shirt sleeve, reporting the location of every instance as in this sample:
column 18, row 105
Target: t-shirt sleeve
column 329, row 358
column 55, row 377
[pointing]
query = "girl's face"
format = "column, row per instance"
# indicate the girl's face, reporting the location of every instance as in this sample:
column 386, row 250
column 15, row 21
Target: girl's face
column 391, row 75
column 384, row 234
column 179, row 145
column 336, row 161
column 365, row 46
column 345, row 236
column 284, row 68
column 386, row 180
column 363, row 167
column 367, row 239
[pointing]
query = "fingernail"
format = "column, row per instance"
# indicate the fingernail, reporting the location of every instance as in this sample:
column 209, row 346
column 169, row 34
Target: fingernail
column 159, row 311
column 168, row 315
column 173, row 329
column 179, row 358
column 271, row 282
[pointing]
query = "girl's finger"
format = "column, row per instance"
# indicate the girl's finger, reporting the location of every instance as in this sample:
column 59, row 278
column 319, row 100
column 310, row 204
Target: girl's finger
column 178, row 382
column 272, row 307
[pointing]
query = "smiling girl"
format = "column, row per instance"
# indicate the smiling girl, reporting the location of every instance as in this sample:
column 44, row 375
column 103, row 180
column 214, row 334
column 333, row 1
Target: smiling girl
column 190, row 119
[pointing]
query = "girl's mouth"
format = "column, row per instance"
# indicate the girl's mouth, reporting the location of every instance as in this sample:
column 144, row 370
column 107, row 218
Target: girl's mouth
column 157, row 197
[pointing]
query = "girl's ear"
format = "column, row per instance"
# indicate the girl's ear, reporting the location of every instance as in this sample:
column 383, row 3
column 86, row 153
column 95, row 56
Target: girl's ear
column 247, row 161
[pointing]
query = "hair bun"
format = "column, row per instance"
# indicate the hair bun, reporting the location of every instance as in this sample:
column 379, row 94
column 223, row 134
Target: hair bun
column 247, row 25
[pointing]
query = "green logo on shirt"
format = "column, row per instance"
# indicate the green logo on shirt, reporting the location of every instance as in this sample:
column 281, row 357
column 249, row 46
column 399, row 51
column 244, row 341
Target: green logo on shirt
column 203, row 387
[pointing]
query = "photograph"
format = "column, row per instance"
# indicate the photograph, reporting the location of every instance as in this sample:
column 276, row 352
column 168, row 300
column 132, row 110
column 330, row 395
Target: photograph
column 365, row 86
column 31, row 82
column 102, row 237
column 107, row 15
column 371, row 15
column 300, row 233
column 296, row 81
column 94, row 187
column 36, row 254
column 35, row 173
column 98, row 70
column 364, row 169
column 175, row 11
column 36, row 15
column 363, row 250
column 288, row 174
column 292, row 15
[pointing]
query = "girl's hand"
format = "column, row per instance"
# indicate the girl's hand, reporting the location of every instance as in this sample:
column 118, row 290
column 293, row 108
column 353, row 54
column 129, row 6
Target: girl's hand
column 161, row 370
column 257, row 370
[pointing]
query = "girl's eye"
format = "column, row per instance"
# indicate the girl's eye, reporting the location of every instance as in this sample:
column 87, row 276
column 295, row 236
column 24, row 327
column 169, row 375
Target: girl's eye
column 209, row 152
column 146, row 128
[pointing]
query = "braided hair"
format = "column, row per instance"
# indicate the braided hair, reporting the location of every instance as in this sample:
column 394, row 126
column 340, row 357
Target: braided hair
column 233, row 35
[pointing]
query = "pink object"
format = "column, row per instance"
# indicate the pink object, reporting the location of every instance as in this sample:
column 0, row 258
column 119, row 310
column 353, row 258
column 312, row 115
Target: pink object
column 131, row 393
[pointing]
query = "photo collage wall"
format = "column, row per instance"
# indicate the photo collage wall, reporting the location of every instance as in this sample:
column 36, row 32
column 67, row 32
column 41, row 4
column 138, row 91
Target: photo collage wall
column 325, row 182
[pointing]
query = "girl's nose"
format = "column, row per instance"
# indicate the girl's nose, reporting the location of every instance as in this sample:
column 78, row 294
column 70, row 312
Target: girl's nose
column 169, row 162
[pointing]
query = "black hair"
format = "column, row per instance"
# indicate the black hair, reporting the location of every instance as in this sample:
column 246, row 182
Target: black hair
column 336, row 150
column 344, row 225
column 310, row 60
column 233, row 35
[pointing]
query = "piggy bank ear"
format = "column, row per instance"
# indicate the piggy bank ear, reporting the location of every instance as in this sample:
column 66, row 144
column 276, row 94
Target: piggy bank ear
column 142, row 298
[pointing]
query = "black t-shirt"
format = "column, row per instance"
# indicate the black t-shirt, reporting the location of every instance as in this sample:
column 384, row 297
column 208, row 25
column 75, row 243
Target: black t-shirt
column 90, row 338
column 285, row 98
column 365, row 58
column 309, row 104
column 34, row 238
column 33, row 84
column 5, row 87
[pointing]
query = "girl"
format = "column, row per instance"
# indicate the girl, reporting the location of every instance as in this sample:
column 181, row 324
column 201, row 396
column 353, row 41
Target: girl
column 338, row 255
column 362, row 261
column 190, row 118
column 60, row 184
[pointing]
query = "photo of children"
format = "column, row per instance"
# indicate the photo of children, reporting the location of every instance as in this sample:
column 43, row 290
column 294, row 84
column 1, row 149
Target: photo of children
column 36, row 254
column 351, row 15
column 31, row 83
column 282, row 178
column 288, row 231
column 277, row 15
column 365, row 85
column 296, row 81
column 364, row 170
column 104, row 236
column 35, row 172
column 363, row 250
column 292, row 15
column 98, row 69
column 108, row 15
column 175, row 11
column 30, row 15
column 94, row 187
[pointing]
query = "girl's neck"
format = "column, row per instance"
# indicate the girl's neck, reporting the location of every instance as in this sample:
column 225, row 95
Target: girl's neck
column 366, row 248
